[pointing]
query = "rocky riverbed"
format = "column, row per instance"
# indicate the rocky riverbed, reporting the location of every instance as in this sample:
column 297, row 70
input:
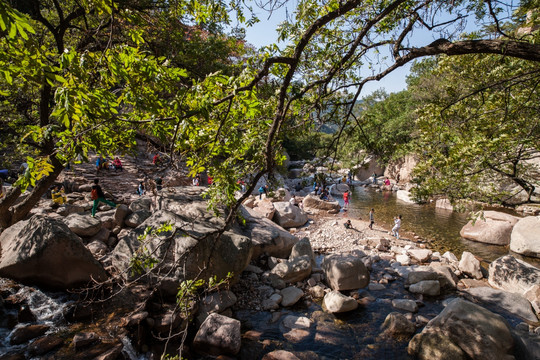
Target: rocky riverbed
column 303, row 286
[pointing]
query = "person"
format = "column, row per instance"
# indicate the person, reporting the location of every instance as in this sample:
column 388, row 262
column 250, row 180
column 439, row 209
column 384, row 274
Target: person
column 98, row 196
column 346, row 195
column 58, row 195
column 374, row 176
column 348, row 224
column 324, row 194
column 140, row 189
column 371, row 218
column 210, row 180
column 262, row 190
column 100, row 163
column 397, row 225
column 292, row 201
column 386, row 181
column 195, row 181
column 156, row 160
column 159, row 183
column 117, row 164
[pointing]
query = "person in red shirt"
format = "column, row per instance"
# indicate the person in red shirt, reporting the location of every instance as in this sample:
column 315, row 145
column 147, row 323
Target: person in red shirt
column 346, row 196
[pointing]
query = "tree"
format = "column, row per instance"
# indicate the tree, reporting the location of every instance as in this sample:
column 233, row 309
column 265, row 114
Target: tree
column 479, row 133
column 104, row 88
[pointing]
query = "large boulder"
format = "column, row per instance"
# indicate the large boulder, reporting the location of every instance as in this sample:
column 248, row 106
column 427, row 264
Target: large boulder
column 525, row 238
column 264, row 208
column 513, row 275
column 301, row 248
column 336, row 302
column 345, row 272
column 288, row 215
column 494, row 228
column 404, row 196
column 45, row 251
column 267, row 237
column 293, row 270
column 218, row 335
column 83, row 225
column 511, row 302
column 464, row 330
column 137, row 218
column 470, row 265
column 314, row 202
column 191, row 248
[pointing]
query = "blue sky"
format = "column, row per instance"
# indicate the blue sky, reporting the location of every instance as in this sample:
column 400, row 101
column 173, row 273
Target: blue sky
column 264, row 33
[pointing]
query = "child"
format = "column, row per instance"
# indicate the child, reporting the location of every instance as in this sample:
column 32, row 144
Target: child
column 117, row 164
column 348, row 224
column 346, row 200
column 140, row 189
column 371, row 218
column 397, row 225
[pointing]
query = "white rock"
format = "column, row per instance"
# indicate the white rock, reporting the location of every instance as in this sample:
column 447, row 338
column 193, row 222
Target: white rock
column 470, row 265
column 336, row 302
column 405, row 304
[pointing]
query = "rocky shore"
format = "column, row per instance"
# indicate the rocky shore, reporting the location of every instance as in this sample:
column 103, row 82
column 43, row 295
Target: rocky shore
column 299, row 285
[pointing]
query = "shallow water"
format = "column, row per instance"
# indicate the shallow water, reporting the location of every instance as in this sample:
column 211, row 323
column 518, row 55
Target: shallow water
column 441, row 227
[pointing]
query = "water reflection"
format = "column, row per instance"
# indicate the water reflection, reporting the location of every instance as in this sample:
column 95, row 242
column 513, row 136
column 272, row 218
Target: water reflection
column 439, row 226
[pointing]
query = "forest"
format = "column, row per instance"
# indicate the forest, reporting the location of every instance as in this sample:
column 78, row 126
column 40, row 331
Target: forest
column 85, row 77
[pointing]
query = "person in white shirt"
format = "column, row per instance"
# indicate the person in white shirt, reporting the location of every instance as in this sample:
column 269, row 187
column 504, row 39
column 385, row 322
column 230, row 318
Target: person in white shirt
column 397, row 225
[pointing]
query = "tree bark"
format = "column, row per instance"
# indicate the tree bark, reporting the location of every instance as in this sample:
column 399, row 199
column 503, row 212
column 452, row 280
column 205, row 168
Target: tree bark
column 10, row 214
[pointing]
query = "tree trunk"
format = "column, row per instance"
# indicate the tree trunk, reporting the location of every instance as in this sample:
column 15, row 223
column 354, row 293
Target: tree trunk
column 9, row 214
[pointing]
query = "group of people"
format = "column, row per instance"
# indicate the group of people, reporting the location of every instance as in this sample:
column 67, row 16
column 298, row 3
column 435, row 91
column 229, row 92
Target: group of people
column 103, row 163
column 321, row 190
column 395, row 228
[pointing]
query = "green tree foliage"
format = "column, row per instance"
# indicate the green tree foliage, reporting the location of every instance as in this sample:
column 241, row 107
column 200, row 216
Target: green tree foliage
column 479, row 128
column 86, row 76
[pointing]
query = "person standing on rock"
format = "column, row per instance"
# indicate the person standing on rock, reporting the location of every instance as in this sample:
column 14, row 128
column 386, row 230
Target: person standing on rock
column 371, row 218
column 397, row 225
column 98, row 196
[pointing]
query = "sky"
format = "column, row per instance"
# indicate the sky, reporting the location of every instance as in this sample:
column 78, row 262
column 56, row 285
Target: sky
column 264, row 33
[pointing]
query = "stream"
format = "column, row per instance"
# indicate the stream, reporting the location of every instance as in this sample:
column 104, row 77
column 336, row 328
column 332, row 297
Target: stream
column 441, row 227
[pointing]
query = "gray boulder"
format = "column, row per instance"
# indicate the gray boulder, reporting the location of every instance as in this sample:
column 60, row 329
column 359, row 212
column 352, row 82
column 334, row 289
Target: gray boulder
column 137, row 218
column 187, row 246
column 218, row 335
column 464, row 330
column 288, row 215
column 426, row 287
column 470, row 265
column 45, row 251
column 83, row 225
column 142, row 203
column 511, row 302
column 120, row 214
column 405, row 304
column 525, row 238
column 314, row 202
column 301, row 248
column 396, row 324
column 336, row 302
column 513, row 275
column 291, row 295
column 495, row 228
column 267, row 237
column 293, row 270
column 345, row 272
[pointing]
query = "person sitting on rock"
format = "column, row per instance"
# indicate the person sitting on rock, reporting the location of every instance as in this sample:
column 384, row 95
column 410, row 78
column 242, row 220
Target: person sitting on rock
column 140, row 189
column 348, row 224
column 58, row 195
column 117, row 164
column 157, row 160
column 98, row 196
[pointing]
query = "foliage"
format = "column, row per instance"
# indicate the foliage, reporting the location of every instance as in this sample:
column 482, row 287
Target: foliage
column 478, row 133
column 189, row 290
